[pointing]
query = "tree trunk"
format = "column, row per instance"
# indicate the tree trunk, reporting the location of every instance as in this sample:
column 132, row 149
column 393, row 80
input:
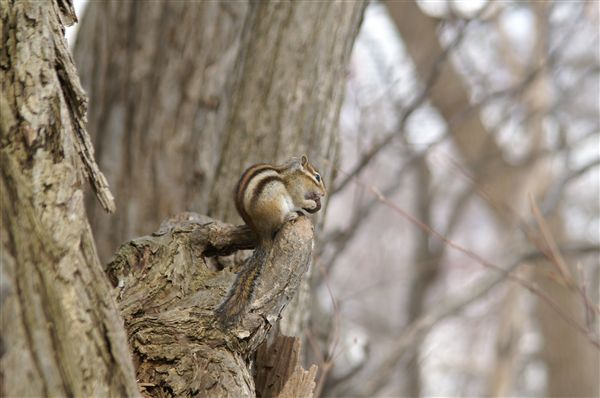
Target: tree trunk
column 61, row 331
column 168, row 292
column 159, row 76
column 185, row 95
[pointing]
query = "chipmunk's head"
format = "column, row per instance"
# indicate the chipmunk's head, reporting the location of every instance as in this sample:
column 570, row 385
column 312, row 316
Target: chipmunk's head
column 313, row 185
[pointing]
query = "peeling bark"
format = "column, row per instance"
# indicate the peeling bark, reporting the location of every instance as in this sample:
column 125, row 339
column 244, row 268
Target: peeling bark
column 162, row 94
column 168, row 293
column 279, row 373
column 61, row 330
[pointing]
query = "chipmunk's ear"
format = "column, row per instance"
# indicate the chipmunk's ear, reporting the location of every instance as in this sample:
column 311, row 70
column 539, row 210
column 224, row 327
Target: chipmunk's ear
column 294, row 164
column 303, row 160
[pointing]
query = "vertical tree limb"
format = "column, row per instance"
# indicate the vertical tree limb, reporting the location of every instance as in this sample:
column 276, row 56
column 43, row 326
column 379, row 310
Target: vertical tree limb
column 61, row 330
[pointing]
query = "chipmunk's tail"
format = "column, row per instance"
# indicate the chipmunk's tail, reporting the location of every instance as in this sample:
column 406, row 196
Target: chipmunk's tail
column 241, row 292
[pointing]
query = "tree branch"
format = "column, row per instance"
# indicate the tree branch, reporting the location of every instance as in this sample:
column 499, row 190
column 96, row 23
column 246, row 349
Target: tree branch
column 167, row 294
column 450, row 306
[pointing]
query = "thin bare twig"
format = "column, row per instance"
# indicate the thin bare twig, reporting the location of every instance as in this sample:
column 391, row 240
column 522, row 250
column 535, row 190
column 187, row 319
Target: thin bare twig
column 449, row 307
column 555, row 193
column 477, row 258
column 405, row 113
column 550, row 243
column 526, row 226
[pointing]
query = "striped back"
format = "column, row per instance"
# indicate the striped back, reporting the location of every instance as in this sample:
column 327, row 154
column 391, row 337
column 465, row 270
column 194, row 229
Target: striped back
column 243, row 185
column 256, row 177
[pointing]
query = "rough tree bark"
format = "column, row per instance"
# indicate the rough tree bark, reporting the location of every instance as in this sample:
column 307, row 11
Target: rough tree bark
column 185, row 95
column 168, row 290
column 65, row 334
column 572, row 362
column 61, row 331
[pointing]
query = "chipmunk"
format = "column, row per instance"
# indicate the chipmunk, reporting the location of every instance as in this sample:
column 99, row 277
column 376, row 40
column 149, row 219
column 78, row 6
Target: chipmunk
column 266, row 197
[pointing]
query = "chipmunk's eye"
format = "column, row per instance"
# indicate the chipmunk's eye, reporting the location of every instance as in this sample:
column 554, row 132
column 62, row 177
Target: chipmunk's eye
column 318, row 177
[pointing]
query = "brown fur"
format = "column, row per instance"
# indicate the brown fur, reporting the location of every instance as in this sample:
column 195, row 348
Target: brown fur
column 265, row 213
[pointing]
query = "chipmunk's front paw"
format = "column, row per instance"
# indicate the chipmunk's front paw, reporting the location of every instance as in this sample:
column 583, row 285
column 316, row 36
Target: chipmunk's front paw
column 313, row 204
